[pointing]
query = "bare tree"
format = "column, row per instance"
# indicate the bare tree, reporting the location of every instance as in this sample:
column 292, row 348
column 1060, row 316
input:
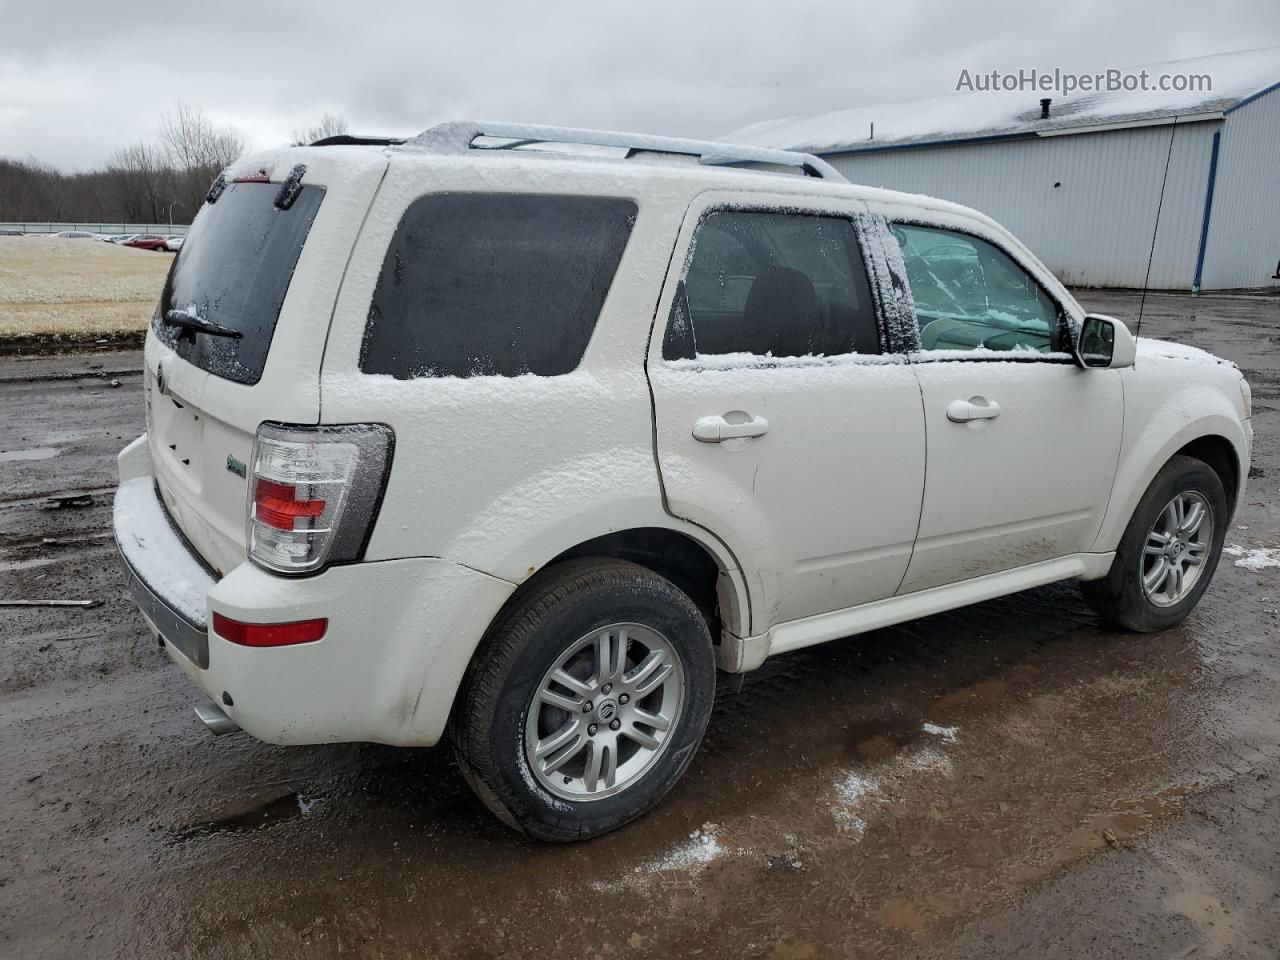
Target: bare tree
column 139, row 176
column 140, row 183
column 198, row 151
column 330, row 125
column 194, row 143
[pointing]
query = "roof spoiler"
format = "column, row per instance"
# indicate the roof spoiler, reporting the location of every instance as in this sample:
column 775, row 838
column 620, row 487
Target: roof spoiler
column 350, row 139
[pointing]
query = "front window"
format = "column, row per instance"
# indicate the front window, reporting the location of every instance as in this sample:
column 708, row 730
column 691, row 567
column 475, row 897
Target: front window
column 971, row 295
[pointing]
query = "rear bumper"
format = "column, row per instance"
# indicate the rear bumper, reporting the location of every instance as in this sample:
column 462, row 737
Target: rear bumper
column 189, row 637
column 168, row 583
column 401, row 633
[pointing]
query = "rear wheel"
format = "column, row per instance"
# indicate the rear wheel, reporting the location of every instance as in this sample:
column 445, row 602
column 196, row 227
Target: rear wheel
column 586, row 701
column 1169, row 551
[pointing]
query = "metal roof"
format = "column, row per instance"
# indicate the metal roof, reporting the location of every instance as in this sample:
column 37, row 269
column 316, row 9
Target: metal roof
column 1235, row 79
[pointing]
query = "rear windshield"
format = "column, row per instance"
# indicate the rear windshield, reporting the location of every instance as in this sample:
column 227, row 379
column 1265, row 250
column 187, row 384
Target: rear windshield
column 494, row 284
column 233, row 273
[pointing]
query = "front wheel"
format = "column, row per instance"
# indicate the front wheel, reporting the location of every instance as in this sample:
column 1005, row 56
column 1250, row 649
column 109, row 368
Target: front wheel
column 586, row 700
column 1169, row 551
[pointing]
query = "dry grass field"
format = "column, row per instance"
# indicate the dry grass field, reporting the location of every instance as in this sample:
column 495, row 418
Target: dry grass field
column 76, row 289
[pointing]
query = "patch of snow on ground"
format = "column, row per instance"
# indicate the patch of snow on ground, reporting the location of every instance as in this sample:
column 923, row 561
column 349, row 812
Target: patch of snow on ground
column 1259, row 558
column 948, row 734
column 853, row 790
column 928, row 760
column 689, row 857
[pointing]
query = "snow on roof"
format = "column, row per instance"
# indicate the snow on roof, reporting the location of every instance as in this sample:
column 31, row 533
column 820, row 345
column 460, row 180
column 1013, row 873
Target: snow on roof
column 1235, row 77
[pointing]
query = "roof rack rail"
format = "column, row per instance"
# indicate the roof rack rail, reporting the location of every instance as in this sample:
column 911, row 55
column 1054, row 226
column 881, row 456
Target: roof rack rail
column 458, row 136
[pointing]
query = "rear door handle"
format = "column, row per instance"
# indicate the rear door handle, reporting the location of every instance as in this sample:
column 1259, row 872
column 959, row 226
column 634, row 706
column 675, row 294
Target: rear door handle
column 975, row 408
column 718, row 429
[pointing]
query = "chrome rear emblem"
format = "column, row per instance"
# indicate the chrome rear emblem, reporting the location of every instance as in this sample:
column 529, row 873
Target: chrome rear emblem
column 236, row 466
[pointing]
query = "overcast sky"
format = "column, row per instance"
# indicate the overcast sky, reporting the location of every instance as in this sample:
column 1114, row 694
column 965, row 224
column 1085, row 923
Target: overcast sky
column 79, row 78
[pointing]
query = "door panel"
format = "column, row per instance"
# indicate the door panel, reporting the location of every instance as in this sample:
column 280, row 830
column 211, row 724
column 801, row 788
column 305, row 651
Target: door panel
column 821, row 509
column 1026, row 485
column 1022, row 443
column 816, row 481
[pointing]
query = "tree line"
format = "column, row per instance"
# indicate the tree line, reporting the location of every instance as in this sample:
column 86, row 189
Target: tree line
column 160, row 181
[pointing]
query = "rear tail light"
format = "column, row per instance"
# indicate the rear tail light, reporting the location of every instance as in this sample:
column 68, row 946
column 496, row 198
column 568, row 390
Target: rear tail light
column 314, row 493
column 269, row 634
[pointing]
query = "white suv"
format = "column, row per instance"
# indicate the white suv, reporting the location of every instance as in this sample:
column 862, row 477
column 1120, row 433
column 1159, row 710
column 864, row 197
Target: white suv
column 492, row 432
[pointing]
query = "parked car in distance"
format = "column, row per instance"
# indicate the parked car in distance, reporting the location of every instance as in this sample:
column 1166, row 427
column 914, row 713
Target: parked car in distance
column 122, row 238
column 146, row 241
column 10, row 233
column 430, row 460
column 173, row 244
column 73, row 235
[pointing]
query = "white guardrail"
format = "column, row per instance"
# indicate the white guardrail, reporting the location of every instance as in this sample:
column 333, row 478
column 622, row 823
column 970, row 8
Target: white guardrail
column 164, row 229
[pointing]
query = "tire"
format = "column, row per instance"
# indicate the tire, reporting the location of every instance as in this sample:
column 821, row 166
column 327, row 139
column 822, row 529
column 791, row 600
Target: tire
column 497, row 728
column 1120, row 597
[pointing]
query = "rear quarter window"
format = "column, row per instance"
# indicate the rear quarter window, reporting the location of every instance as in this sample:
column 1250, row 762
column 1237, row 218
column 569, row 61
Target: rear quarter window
column 494, row 284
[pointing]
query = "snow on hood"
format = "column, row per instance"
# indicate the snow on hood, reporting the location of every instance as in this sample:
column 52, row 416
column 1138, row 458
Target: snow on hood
column 958, row 116
column 1150, row 348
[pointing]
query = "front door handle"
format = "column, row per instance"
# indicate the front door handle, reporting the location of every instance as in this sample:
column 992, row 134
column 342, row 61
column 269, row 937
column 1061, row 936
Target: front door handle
column 719, row 429
column 975, row 408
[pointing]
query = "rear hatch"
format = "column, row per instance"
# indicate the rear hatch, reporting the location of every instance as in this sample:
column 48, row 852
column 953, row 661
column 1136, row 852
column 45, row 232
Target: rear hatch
column 239, row 333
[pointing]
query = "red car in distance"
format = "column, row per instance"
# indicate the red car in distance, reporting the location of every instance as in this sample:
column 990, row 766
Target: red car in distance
column 146, row 242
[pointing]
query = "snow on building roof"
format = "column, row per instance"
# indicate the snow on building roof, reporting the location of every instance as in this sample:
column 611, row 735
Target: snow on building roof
column 975, row 115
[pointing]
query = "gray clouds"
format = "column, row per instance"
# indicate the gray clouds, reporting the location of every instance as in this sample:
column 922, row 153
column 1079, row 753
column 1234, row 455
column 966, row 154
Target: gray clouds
column 80, row 77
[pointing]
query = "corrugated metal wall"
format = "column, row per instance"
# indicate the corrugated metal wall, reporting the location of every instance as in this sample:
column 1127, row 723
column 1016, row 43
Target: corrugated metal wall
column 1094, row 229
column 1244, row 231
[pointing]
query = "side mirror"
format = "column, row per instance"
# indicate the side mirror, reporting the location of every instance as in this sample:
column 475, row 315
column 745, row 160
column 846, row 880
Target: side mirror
column 1105, row 342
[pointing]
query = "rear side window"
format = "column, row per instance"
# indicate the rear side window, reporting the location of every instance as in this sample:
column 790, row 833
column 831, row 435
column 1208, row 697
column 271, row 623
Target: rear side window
column 494, row 284
column 232, row 275
column 773, row 284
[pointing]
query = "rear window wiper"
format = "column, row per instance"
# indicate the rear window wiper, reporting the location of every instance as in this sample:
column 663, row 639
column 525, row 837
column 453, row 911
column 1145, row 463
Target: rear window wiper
column 192, row 321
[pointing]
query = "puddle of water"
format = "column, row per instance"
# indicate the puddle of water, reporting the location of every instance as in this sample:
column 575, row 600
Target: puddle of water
column 288, row 807
column 34, row 453
column 1127, row 820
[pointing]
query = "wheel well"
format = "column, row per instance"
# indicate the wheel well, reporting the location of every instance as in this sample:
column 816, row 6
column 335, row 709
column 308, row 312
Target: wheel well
column 671, row 554
column 1218, row 453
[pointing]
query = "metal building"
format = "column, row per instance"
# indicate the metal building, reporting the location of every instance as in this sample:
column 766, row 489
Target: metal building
column 1088, row 180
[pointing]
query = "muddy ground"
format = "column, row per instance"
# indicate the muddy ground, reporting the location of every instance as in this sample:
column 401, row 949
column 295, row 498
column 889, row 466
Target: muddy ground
column 1007, row 780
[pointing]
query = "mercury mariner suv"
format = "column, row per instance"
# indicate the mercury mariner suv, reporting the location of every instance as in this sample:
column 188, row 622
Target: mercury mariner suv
column 520, row 434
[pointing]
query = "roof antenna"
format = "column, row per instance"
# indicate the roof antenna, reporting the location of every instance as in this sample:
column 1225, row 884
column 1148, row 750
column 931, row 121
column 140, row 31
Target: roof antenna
column 1155, row 230
column 873, row 131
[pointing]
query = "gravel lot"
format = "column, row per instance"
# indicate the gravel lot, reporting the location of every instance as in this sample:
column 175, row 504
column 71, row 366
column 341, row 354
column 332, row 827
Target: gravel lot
column 76, row 288
column 1006, row 780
